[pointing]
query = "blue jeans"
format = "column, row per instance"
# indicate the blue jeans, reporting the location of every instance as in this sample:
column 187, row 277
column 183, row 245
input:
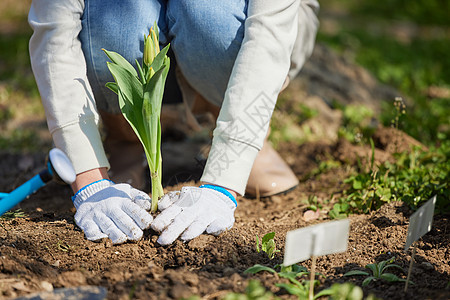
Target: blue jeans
column 205, row 36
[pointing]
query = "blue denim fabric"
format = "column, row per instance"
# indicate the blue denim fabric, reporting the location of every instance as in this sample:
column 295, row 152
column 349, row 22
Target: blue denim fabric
column 205, row 36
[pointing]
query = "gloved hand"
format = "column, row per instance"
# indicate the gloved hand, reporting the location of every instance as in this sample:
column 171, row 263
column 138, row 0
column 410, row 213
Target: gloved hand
column 115, row 211
column 192, row 211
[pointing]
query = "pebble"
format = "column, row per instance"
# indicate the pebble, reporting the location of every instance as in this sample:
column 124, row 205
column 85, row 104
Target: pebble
column 46, row 286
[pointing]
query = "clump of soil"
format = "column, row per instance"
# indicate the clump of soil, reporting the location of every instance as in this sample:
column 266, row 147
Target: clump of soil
column 46, row 249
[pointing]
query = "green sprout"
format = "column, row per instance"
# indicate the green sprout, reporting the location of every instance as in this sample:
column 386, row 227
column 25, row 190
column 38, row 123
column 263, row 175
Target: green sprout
column 140, row 100
column 294, row 287
column 10, row 215
column 378, row 272
column 348, row 291
column 267, row 245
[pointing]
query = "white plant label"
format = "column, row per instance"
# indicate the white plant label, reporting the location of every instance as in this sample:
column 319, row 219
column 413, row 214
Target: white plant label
column 316, row 240
column 420, row 222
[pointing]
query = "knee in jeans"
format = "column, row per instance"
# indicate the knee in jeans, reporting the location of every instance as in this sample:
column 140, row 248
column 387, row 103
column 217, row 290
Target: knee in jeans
column 218, row 23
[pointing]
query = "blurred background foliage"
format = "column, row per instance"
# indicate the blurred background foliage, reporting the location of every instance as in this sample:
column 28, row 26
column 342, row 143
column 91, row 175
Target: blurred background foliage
column 405, row 44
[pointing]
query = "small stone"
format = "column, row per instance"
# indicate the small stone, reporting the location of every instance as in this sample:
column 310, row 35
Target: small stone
column 311, row 215
column 56, row 263
column 46, row 286
column 427, row 265
column 228, row 271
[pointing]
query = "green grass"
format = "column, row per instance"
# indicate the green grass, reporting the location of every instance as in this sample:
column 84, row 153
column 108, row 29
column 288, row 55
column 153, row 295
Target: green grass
column 412, row 66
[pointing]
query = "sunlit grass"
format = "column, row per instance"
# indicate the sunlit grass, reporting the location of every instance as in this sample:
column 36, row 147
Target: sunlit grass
column 411, row 58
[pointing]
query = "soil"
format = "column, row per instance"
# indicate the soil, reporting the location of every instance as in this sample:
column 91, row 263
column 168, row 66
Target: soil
column 46, row 250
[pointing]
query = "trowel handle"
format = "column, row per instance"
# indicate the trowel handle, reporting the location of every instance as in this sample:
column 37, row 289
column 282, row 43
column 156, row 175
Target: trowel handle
column 19, row 194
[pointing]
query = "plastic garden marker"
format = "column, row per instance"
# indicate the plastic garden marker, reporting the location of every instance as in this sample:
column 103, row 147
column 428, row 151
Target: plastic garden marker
column 313, row 241
column 58, row 167
column 419, row 224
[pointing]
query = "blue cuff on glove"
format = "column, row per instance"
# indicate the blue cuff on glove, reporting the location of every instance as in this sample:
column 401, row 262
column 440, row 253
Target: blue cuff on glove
column 86, row 186
column 221, row 190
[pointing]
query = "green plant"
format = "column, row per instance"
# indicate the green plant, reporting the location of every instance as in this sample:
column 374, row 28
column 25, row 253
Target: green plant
column 358, row 123
column 9, row 215
column 294, row 287
column 140, row 99
column 253, row 291
column 267, row 244
column 378, row 272
column 63, row 246
column 339, row 211
column 313, row 203
column 414, row 177
column 347, row 291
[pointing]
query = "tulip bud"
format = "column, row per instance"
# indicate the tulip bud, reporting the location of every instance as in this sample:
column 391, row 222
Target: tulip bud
column 149, row 51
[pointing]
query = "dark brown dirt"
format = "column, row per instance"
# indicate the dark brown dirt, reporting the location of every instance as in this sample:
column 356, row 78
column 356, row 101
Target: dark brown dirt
column 46, row 247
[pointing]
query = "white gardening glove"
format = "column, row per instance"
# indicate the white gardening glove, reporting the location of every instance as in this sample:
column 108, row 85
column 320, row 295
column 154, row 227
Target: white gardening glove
column 192, row 211
column 115, row 211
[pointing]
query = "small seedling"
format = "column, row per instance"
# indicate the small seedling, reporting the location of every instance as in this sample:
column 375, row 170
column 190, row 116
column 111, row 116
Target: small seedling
column 267, row 244
column 292, row 273
column 10, row 215
column 378, row 272
column 63, row 246
column 348, row 291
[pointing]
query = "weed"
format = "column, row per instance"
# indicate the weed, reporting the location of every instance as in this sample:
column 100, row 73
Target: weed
column 63, row 246
column 267, row 244
column 313, row 203
column 294, row 287
column 378, row 272
column 414, row 178
column 339, row 211
column 358, row 123
column 348, row 291
column 9, row 215
column 409, row 66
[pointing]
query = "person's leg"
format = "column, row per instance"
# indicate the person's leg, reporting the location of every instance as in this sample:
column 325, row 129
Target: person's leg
column 119, row 26
column 206, row 36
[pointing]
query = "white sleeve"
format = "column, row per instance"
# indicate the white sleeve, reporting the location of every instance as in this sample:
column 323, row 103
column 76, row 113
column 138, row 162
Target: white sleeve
column 260, row 69
column 59, row 67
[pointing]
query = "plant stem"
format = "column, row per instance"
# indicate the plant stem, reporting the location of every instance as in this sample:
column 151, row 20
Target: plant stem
column 410, row 266
column 157, row 191
column 312, row 277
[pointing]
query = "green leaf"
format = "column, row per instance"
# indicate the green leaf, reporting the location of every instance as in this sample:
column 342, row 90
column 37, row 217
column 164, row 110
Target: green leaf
column 325, row 292
column 160, row 59
column 356, row 272
column 357, row 185
column 392, row 266
column 267, row 237
column 141, row 72
column 113, row 87
column 258, row 268
column 257, row 244
column 293, row 289
column 389, row 277
column 151, row 110
column 368, row 280
column 128, row 84
column 374, row 269
column 134, row 119
column 120, row 61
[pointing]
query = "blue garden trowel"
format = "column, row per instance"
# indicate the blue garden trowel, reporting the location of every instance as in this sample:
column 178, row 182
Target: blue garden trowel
column 59, row 168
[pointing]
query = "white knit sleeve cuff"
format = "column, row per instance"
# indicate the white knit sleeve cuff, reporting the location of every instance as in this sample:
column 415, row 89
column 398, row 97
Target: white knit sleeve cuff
column 82, row 144
column 229, row 164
